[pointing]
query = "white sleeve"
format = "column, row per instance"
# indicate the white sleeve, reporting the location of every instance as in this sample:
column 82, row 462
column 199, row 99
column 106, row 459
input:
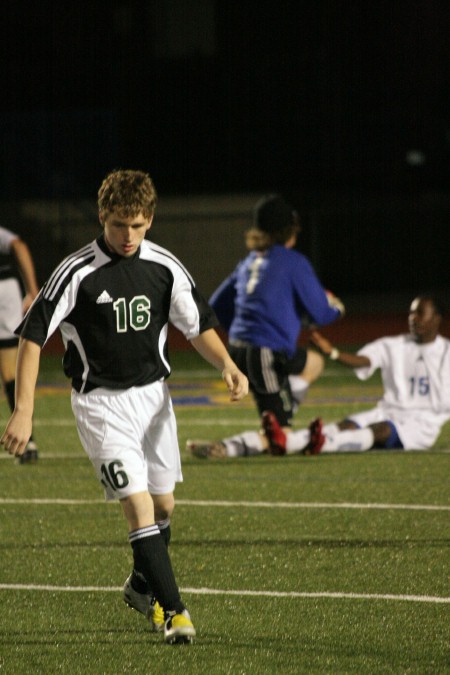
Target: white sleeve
column 184, row 313
column 374, row 352
column 6, row 239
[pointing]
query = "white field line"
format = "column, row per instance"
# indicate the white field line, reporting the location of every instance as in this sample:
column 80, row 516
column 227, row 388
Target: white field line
column 239, row 593
column 245, row 504
column 81, row 454
column 180, row 376
column 313, row 505
column 209, row 422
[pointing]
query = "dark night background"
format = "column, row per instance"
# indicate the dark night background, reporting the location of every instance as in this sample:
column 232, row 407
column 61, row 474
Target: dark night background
column 218, row 96
column 330, row 102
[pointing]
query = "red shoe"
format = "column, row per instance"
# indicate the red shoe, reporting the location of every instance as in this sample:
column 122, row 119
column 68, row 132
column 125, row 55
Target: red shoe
column 274, row 433
column 317, row 438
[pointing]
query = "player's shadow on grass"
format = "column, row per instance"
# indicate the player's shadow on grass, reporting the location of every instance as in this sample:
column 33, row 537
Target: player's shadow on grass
column 98, row 636
column 68, row 545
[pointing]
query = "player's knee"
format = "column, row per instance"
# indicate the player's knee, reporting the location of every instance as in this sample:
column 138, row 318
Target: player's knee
column 164, row 506
column 345, row 425
column 315, row 364
column 386, row 436
column 319, row 365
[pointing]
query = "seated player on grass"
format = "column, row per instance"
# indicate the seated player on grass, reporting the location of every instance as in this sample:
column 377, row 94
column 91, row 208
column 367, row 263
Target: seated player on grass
column 415, row 370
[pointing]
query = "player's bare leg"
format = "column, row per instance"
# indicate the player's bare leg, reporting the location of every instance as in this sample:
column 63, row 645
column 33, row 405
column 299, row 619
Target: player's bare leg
column 245, row 444
column 8, row 359
column 312, row 370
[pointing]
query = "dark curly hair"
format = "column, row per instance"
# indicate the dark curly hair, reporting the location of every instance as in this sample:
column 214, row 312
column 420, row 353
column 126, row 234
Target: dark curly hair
column 127, row 193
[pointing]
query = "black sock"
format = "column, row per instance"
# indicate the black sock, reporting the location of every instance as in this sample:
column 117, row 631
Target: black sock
column 164, row 528
column 152, row 561
column 139, row 583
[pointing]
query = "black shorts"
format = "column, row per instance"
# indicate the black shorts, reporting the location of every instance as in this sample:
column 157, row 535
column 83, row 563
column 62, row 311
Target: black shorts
column 297, row 364
column 267, row 373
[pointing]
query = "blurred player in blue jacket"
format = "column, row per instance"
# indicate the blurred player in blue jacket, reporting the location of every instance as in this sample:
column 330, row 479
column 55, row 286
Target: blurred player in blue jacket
column 262, row 305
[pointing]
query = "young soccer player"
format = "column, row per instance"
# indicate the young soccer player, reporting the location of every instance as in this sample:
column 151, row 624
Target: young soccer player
column 415, row 369
column 263, row 304
column 306, row 365
column 13, row 306
column 112, row 301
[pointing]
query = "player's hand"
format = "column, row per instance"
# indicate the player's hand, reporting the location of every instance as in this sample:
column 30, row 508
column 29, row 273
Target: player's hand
column 17, row 433
column 323, row 345
column 236, row 382
column 335, row 302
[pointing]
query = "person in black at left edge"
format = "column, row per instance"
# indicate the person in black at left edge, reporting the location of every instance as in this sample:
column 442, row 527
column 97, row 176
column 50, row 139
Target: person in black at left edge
column 14, row 254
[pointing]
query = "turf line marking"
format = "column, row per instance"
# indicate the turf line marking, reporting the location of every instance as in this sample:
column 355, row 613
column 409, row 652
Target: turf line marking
column 315, row 505
column 210, row 421
column 82, row 455
column 320, row 594
column 239, row 593
column 207, row 422
column 257, row 505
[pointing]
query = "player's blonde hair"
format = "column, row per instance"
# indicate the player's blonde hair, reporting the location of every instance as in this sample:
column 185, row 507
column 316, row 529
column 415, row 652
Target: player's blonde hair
column 127, row 193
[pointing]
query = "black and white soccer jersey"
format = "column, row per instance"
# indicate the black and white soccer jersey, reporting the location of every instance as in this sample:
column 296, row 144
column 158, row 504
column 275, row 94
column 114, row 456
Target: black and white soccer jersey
column 113, row 313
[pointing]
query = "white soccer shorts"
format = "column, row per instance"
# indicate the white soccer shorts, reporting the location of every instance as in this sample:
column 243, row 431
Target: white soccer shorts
column 130, row 436
column 417, row 430
column 10, row 308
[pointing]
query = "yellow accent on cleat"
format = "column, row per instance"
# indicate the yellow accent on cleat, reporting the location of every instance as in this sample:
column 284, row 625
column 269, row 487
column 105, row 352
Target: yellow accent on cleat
column 157, row 617
column 179, row 629
column 146, row 604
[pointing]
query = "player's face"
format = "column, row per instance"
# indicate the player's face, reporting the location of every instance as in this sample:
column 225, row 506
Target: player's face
column 124, row 235
column 423, row 320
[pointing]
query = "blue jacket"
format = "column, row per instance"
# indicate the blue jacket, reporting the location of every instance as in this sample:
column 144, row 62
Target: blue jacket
column 264, row 300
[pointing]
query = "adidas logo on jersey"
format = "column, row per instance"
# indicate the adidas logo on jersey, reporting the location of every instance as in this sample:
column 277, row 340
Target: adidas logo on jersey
column 104, row 298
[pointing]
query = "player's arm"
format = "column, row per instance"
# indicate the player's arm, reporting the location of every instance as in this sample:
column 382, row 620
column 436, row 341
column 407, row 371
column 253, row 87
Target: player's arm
column 321, row 306
column 222, row 301
column 18, row 429
column 346, row 358
column 211, row 348
column 22, row 256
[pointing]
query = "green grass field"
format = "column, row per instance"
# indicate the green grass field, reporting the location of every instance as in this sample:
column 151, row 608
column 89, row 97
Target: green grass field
column 328, row 564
